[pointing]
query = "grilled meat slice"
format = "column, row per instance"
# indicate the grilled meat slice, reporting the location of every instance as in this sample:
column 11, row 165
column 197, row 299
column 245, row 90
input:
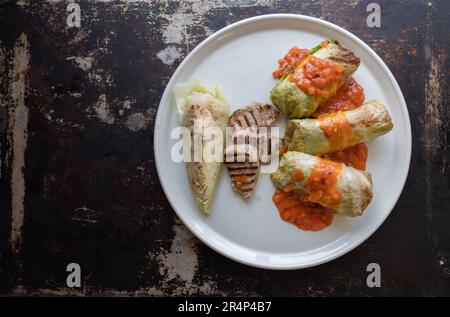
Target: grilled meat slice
column 243, row 169
column 254, row 115
column 242, row 158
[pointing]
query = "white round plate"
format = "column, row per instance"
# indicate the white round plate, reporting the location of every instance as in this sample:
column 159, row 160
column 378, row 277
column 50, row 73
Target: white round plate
column 241, row 58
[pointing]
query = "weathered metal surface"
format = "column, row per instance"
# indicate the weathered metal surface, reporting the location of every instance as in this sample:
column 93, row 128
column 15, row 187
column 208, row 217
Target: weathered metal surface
column 78, row 180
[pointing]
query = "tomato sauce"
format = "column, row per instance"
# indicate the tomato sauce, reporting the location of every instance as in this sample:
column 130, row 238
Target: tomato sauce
column 290, row 61
column 318, row 77
column 322, row 184
column 355, row 156
column 337, row 130
column 306, row 216
column 240, row 181
column 349, row 97
column 298, row 175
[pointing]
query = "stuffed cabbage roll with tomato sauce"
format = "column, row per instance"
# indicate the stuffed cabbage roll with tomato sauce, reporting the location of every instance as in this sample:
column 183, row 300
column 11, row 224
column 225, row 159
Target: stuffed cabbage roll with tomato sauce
column 333, row 185
column 200, row 107
column 349, row 97
column 309, row 79
column 339, row 130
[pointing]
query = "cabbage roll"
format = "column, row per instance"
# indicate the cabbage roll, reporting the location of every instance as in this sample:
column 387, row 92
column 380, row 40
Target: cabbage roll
column 333, row 185
column 299, row 93
column 339, row 130
column 202, row 107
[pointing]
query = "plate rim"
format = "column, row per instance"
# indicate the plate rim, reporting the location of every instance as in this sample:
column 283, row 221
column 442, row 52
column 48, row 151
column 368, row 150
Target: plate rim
column 168, row 90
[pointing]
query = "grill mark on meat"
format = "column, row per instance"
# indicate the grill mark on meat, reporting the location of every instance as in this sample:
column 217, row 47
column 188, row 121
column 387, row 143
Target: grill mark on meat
column 243, row 170
column 250, row 119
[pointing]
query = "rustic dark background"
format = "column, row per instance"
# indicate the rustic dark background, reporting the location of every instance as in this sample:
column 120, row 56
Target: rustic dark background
column 78, row 181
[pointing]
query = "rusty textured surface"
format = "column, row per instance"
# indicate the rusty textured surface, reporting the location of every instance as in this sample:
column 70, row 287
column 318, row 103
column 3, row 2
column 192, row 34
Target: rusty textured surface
column 78, row 180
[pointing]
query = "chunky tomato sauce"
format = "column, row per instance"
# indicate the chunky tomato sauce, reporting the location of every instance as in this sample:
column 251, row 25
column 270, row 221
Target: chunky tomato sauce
column 355, row 156
column 322, row 184
column 336, row 129
column 240, row 181
column 318, row 77
column 290, row 61
column 306, row 216
column 349, row 97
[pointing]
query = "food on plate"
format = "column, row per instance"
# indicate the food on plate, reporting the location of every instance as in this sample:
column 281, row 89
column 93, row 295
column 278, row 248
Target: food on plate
column 291, row 206
column 247, row 121
column 306, row 216
column 339, row 130
column 290, row 61
column 212, row 98
column 244, row 175
column 308, row 80
column 333, row 185
column 322, row 169
column 254, row 116
column 354, row 156
column 201, row 107
column 349, row 97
